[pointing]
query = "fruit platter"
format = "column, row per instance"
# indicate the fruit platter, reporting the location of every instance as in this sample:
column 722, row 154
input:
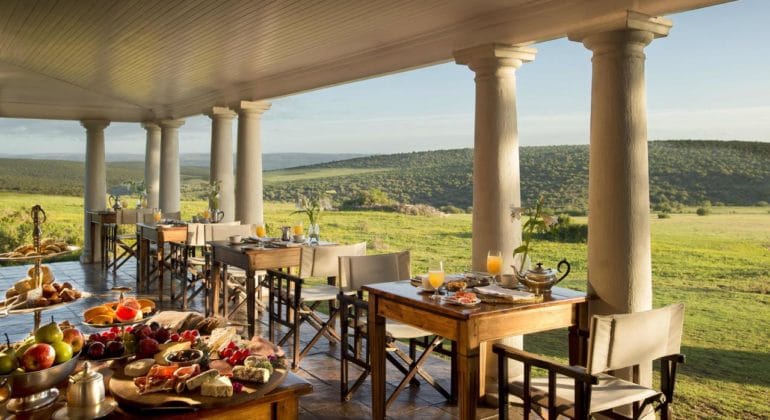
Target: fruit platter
column 190, row 370
column 125, row 311
column 34, row 366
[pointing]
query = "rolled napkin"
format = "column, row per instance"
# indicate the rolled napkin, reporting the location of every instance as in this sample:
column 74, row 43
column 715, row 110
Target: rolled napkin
column 495, row 293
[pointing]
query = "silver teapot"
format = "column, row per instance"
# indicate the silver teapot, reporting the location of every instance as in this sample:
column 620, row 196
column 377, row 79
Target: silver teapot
column 540, row 280
column 86, row 388
column 115, row 202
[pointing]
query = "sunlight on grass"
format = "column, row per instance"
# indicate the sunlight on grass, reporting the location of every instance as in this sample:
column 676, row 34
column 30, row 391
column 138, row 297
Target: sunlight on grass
column 719, row 265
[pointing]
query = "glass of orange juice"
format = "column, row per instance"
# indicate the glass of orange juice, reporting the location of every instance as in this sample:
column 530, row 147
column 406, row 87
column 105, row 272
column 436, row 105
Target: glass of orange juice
column 436, row 278
column 156, row 215
column 298, row 229
column 261, row 231
column 494, row 263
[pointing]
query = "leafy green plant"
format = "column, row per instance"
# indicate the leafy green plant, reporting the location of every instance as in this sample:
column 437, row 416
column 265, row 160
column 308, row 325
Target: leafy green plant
column 212, row 193
column 313, row 204
column 535, row 223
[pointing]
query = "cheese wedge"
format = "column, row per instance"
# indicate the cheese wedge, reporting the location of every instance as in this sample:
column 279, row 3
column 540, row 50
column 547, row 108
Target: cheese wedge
column 138, row 367
column 219, row 387
column 196, row 381
column 251, row 374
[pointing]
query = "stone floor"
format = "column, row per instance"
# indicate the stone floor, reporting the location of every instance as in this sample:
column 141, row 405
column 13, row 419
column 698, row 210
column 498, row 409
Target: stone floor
column 321, row 367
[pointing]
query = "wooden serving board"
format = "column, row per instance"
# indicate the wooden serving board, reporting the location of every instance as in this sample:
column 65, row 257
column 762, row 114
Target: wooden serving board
column 124, row 391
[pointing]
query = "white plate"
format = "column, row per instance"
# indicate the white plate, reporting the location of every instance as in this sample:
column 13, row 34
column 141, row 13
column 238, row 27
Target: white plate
column 453, row 301
column 421, row 289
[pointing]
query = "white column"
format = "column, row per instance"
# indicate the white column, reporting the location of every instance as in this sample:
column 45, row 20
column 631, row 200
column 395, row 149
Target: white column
column 152, row 163
column 619, row 262
column 169, row 165
column 95, row 193
column 248, row 185
column 222, row 158
column 496, row 185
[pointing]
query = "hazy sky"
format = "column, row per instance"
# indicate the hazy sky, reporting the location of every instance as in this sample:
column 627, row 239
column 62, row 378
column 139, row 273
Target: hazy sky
column 709, row 79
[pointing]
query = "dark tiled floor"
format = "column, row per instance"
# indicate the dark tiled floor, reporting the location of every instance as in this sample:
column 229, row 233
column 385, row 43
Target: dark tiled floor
column 321, row 367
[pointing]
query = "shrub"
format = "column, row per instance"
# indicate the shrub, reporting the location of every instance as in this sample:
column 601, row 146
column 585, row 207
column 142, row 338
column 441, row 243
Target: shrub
column 762, row 203
column 450, row 209
column 702, row 211
column 664, row 215
column 418, row 210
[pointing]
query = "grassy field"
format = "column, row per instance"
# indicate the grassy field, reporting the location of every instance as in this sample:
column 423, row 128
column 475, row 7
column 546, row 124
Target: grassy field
column 719, row 265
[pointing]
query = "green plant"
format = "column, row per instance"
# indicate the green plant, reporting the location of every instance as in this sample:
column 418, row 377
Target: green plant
column 702, row 211
column 313, row 204
column 535, row 222
column 212, row 193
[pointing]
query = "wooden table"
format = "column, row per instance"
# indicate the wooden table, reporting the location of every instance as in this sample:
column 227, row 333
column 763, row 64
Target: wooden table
column 97, row 219
column 280, row 403
column 250, row 258
column 468, row 327
column 159, row 234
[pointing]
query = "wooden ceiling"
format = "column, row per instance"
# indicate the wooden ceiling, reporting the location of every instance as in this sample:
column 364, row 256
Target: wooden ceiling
column 135, row 60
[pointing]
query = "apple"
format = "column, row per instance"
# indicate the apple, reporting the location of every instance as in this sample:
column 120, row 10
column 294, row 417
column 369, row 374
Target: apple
column 38, row 357
column 74, row 338
column 63, row 351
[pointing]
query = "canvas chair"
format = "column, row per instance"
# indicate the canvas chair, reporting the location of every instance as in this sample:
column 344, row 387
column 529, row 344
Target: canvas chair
column 356, row 272
column 116, row 242
column 233, row 278
column 615, row 342
column 292, row 303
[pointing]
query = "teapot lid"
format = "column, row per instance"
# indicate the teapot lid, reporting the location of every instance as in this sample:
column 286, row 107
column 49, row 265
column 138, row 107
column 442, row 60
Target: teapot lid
column 543, row 271
column 86, row 375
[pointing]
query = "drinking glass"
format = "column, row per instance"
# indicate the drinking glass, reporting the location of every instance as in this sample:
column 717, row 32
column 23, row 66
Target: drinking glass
column 156, row 215
column 298, row 228
column 436, row 279
column 207, row 215
column 495, row 263
column 261, row 231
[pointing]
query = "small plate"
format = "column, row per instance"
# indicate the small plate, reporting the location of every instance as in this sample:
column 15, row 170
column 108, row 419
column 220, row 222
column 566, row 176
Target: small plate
column 76, row 413
column 453, row 301
column 421, row 289
column 241, row 242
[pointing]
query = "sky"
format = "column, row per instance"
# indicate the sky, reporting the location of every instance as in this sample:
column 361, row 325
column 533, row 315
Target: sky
column 709, row 79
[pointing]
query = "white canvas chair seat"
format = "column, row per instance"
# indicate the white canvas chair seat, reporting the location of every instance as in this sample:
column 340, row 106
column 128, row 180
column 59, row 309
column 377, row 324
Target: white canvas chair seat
column 291, row 294
column 396, row 330
column 615, row 342
column 608, row 393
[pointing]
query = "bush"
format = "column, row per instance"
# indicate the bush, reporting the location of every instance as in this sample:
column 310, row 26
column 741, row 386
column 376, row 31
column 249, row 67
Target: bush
column 762, row 203
column 418, row 210
column 702, row 211
column 450, row 209
column 664, row 215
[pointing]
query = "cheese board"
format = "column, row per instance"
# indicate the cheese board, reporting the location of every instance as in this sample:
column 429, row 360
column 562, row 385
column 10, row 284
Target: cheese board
column 122, row 388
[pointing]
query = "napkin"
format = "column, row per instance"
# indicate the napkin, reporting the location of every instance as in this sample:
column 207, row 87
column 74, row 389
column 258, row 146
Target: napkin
column 514, row 296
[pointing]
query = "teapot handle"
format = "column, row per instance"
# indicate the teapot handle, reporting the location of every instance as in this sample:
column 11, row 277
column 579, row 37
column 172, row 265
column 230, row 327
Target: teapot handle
column 111, row 200
column 558, row 267
column 219, row 215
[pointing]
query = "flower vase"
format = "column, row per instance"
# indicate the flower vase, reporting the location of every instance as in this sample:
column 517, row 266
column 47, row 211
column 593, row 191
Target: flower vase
column 313, row 233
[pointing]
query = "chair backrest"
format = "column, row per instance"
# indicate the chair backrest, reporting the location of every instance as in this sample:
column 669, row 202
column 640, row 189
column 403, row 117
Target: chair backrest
column 127, row 216
column 360, row 271
column 324, row 261
column 223, row 231
column 624, row 340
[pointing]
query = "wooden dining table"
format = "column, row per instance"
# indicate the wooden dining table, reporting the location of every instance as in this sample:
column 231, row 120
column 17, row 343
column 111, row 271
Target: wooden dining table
column 97, row 219
column 160, row 234
column 251, row 258
column 468, row 327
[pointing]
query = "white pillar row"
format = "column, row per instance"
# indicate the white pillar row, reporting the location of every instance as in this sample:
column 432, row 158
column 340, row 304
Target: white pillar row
column 248, row 185
column 619, row 261
column 496, row 186
column 152, row 163
column 168, row 197
column 222, row 158
column 95, row 193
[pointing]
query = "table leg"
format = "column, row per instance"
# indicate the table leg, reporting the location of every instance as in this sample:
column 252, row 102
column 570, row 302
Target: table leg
column 215, row 268
column 161, row 262
column 467, row 376
column 376, row 326
column 250, row 302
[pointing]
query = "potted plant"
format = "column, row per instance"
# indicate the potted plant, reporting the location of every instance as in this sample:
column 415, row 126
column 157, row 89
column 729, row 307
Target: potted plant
column 313, row 205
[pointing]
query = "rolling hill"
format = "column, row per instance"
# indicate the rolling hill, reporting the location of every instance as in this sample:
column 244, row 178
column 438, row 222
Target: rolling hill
column 685, row 172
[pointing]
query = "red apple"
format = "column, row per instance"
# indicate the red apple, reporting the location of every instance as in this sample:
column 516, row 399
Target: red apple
column 38, row 357
column 74, row 338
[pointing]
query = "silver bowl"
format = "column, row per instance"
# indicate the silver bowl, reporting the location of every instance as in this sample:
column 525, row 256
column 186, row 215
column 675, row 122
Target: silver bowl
column 26, row 384
column 192, row 357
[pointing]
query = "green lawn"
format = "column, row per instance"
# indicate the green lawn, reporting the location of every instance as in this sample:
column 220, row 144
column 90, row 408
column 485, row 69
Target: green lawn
column 288, row 175
column 719, row 265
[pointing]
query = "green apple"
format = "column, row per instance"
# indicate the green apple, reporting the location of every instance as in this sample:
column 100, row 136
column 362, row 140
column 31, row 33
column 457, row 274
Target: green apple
column 8, row 363
column 63, row 352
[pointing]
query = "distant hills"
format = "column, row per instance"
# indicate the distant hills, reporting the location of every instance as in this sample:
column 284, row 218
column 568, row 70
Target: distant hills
column 270, row 161
column 681, row 172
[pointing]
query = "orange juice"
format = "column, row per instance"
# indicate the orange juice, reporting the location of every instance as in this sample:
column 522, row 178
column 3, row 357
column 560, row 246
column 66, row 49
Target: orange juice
column 436, row 278
column 298, row 229
column 156, row 216
column 261, row 232
column 494, row 264
column 206, row 214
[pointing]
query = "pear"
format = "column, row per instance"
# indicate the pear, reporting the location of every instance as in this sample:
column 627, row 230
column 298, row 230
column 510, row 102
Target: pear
column 49, row 333
column 8, row 362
